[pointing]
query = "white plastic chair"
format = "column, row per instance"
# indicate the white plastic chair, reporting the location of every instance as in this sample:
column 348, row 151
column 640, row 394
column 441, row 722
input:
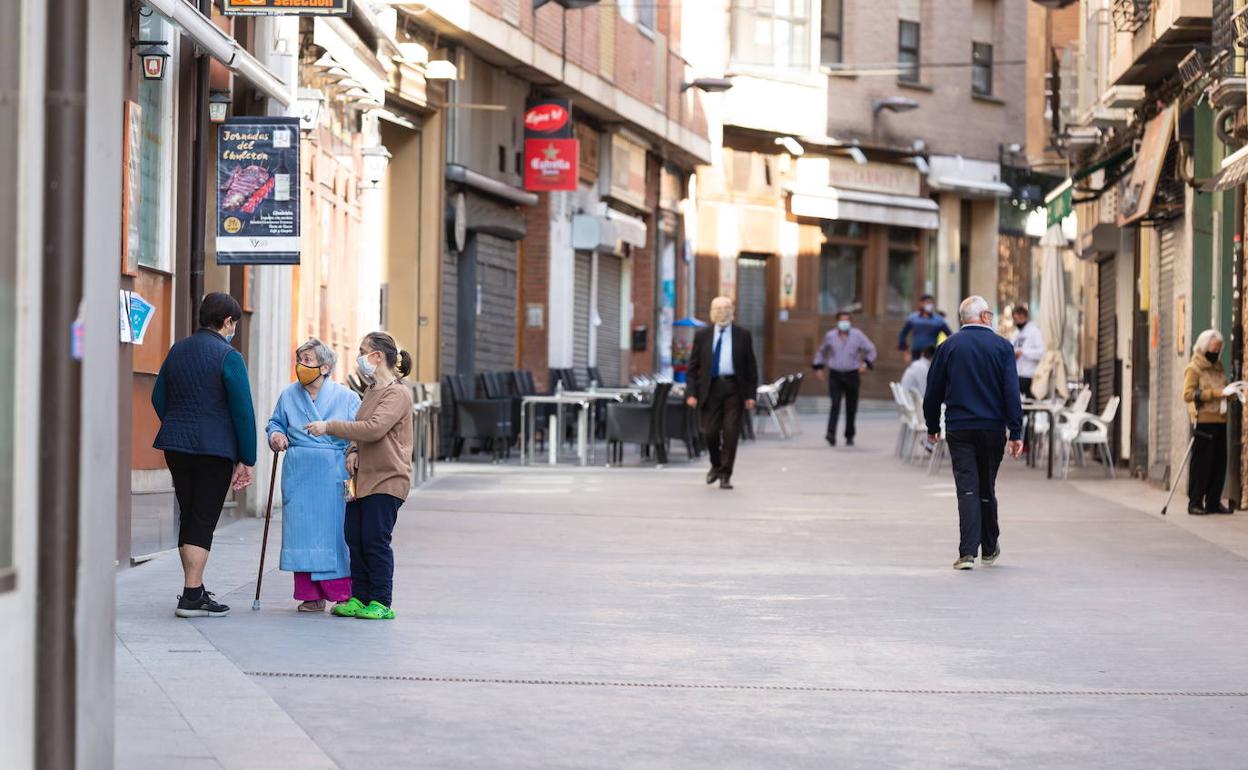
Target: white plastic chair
column 1090, row 430
column 766, row 407
column 903, row 418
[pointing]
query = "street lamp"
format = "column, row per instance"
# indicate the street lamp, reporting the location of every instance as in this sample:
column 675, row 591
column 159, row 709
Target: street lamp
column 709, row 85
column 894, row 104
column 310, row 103
column 570, row 5
column 153, row 55
column 376, row 160
column 218, row 106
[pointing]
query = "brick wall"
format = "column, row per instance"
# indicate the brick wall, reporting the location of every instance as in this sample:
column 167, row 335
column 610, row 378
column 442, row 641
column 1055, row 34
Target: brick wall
column 630, row 56
column 534, row 280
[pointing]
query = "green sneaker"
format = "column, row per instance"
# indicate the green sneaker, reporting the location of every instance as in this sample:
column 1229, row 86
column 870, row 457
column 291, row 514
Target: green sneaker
column 349, row 609
column 375, row 611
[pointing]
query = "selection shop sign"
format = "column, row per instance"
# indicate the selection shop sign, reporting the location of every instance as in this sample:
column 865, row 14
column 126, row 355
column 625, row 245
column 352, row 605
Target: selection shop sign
column 551, row 155
column 285, row 7
column 258, row 191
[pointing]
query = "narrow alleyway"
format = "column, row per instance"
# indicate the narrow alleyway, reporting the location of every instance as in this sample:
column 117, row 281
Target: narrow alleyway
column 638, row 618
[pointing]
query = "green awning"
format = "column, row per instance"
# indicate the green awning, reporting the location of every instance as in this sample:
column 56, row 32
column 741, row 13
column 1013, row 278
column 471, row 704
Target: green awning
column 1060, row 203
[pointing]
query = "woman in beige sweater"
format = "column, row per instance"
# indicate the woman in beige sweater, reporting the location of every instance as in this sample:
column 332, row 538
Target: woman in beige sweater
column 1203, row 383
column 380, row 462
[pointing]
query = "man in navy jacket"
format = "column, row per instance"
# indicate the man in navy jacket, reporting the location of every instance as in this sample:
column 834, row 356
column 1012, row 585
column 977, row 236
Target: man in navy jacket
column 975, row 378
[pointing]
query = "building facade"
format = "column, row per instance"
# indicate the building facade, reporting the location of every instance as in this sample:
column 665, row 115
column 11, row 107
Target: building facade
column 572, row 278
column 846, row 180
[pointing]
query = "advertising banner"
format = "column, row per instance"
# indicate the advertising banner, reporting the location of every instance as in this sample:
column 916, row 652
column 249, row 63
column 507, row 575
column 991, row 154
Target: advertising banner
column 258, row 191
column 548, row 119
column 286, row 7
column 551, row 164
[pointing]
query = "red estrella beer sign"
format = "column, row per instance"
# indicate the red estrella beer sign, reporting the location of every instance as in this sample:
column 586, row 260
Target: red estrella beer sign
column 551, row 164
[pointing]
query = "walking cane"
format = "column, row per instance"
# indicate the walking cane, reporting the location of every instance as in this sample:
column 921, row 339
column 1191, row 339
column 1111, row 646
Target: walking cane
column 264, row 544
column 1182, row 466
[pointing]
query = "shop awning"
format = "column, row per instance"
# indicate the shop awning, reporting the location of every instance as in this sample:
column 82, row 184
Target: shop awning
column 607, row 233
column 224, row 49
column 836, row 203
column 1234, row 173
column 1137, row 199
column 1060, row 201
column 489, row 186
column 629, row 229
column 967, row 176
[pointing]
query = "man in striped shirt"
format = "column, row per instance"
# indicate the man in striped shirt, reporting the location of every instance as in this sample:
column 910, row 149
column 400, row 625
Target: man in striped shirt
column 842, row 358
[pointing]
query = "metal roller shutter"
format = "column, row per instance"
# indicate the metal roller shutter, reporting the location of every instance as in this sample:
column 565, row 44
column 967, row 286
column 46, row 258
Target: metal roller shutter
column 610, row 357
column 580, row 312
column 496, row 320
column 752, row 305
column 1106, row 330
column 1165, row 350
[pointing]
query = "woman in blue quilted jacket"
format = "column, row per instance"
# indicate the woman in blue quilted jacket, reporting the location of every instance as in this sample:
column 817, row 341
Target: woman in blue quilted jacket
column 208, row 434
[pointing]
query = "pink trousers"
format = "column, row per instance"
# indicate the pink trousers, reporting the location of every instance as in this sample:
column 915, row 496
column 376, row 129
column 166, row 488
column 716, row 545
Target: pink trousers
column 309, row 590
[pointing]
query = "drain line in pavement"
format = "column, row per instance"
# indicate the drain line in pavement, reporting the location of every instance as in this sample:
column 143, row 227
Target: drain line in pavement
column 751, row 687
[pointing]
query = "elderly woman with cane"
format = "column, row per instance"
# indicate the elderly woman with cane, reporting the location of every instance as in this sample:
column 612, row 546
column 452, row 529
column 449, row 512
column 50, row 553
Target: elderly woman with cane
column 381, row 454
column 314, row 479
column 1205, row 391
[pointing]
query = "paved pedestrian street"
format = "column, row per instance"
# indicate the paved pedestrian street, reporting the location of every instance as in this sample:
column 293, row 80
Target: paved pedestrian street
column 633, row 617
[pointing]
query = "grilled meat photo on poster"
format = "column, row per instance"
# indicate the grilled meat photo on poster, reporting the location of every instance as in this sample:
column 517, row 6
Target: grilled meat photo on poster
column 245, row 188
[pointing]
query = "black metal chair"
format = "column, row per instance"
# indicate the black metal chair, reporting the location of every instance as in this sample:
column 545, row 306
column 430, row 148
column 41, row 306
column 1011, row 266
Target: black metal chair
column 481, row 419
column 682, row 425
column 644, row 424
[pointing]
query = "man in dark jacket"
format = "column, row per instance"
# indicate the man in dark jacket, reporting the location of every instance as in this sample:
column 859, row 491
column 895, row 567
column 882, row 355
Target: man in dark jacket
column 975, row 378
column 722, row 381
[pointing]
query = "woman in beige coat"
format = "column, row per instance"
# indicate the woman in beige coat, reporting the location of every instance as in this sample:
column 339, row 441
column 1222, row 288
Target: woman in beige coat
column 1204, row 381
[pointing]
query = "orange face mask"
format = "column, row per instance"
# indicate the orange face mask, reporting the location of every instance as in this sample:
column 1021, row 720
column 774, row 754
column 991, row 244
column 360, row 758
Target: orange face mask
column 307, row 374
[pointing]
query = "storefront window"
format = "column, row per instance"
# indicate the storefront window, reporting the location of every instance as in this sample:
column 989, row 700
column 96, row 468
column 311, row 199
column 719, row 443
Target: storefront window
column 10, row 85
column 840, row 278
column 900, row 291
column 155, row 167
column 903, row 260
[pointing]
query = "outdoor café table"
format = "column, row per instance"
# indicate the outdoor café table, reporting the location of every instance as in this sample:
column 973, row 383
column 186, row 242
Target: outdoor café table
column 528, row 432
column 595, row 397
column 1030, row 410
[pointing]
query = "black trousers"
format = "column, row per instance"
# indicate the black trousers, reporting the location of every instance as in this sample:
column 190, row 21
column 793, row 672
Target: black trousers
column 367, row 528
column 1207, row 472
column 721, row 423
column 976, row 456
column 1024, row 386
column 200, row 483
column 843, row 384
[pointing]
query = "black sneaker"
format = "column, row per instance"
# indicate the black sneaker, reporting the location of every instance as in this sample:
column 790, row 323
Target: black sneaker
column 712, row 475
column 724, row 483
column 849, row 441
column 1219, row 508
column 1196, row 510
column 203, row 607
column 831, row 440
column 989, row 559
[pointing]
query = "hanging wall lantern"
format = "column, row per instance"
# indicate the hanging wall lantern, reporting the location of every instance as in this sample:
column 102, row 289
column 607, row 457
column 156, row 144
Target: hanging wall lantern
column 218, row 106
column 376, row 160
column 153, row 56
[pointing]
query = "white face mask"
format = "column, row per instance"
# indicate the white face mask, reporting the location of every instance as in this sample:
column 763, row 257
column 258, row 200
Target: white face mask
column 365, row 368
column 928, row 307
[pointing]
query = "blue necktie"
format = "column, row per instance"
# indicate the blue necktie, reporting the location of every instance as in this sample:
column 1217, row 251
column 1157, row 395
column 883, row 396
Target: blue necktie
column 719, row 344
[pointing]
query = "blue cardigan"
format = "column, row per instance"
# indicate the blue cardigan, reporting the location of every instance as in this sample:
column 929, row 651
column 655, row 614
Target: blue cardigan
column 975, row 377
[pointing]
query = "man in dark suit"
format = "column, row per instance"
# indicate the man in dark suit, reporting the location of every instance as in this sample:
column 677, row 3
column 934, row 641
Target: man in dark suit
column 722, row 383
